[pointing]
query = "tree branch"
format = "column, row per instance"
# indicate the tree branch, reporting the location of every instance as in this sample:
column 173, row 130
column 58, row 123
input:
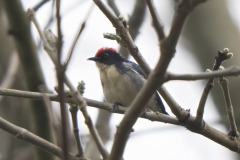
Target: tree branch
column 230, row 71
column 74, row 112
column 81, row 28
column 29, row 137
column 123, row 32
column 156, row 20
column 220, row 57
column 60, row 78
column 230, row 113
column 40, row 4
column 92, row 129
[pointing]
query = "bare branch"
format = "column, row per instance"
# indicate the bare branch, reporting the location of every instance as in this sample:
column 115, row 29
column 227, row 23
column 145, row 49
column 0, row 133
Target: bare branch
column 230, row 71
column 60, row 78
column 29, row 137
column 123, row 32
column 74, row 110
column 233, row 127
column 52, row 52
column 40, row 4
column 220, row 57
column 82, row 105
column 135, row 22
column 156, row 20
column 77, row 36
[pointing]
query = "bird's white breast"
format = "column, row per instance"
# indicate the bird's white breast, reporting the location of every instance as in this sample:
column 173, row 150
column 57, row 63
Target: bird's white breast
column 116, row 86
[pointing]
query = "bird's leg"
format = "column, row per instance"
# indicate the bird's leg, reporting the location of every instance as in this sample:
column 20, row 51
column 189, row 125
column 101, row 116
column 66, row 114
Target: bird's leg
column 144, row 113
column 115, row 106
column 185, row 119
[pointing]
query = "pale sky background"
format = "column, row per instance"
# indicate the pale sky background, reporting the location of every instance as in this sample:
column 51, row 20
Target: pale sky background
column 151, row 140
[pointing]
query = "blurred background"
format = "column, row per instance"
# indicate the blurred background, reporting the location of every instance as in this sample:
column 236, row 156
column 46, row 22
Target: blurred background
column 24, row 65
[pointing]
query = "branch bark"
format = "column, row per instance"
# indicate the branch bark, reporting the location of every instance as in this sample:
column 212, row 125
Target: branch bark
column 230, row 71
column 19, row 28
column 29, row 137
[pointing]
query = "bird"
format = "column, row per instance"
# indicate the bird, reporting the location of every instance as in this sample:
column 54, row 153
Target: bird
column 122, row 79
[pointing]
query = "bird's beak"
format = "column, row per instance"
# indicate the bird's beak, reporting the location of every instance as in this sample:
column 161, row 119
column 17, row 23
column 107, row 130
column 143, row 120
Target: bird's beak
column 94, row 58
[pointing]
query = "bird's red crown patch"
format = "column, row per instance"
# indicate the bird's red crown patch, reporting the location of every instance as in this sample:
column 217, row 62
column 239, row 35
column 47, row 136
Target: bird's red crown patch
column 105, row 49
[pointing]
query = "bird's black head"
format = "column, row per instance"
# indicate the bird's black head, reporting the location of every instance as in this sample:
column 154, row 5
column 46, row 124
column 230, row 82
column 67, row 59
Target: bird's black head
column 107, row 56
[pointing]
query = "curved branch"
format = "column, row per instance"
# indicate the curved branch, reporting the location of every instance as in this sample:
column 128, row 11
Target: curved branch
column 27, row 136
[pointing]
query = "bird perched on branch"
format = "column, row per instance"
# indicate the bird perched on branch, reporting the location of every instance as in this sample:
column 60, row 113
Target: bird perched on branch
column 122, row 79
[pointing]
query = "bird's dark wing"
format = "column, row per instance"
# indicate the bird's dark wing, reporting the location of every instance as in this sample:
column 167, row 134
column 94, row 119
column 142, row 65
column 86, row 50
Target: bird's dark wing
column 160, row 103
column 138, row 69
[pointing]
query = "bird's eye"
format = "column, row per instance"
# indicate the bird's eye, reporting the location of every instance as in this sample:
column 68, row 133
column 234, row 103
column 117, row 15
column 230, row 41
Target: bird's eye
column 105, row 55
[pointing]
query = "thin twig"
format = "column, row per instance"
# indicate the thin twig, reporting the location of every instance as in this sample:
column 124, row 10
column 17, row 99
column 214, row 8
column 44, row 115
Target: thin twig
column 156, row 20
column 40, row 4
column 27, row 136
column 220, row 57
column 52, row 52
column 230, row 113
column 230, row 71
column 81, row 28
column 135, row 22
column 92, row 129
column 74, row 112
column 60, row 78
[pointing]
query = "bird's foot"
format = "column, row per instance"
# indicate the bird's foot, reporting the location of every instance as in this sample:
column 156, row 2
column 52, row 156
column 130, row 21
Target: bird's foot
column 115, row 106
column 233, row 134
column 144, row 113
column 186, row 118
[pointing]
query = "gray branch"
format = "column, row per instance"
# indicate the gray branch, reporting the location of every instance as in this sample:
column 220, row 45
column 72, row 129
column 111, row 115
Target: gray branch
column 29, row 137
column 230, row 71
column 233, row 127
